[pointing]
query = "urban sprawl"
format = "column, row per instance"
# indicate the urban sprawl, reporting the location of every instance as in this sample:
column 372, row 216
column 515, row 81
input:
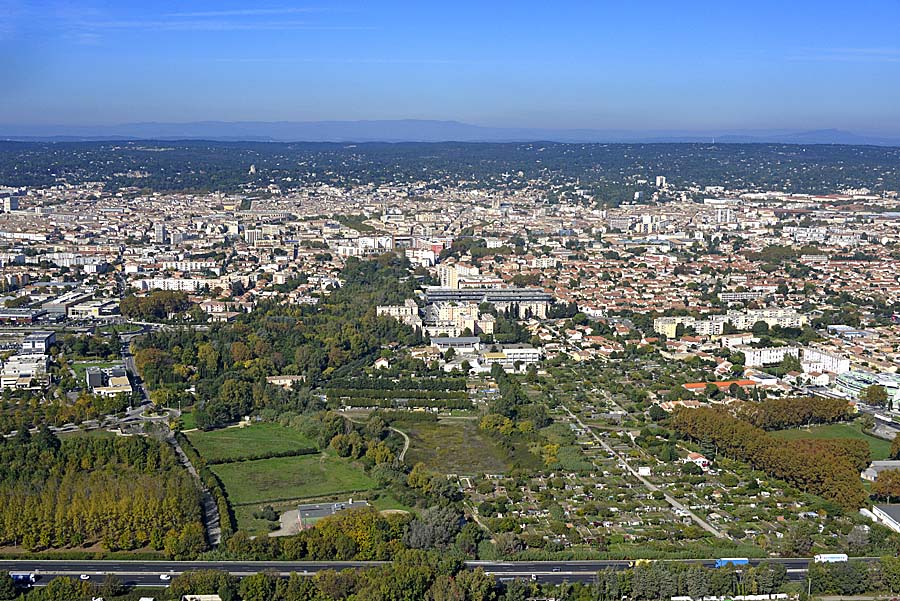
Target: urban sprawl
column 498, row 373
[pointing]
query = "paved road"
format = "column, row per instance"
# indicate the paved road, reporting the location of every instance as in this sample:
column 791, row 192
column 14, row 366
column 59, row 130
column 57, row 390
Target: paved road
column 147, row 573
column 212, row 521
column 649, row 485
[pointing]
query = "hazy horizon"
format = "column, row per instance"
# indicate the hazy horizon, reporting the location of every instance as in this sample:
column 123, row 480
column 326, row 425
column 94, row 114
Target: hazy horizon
column 648, row 67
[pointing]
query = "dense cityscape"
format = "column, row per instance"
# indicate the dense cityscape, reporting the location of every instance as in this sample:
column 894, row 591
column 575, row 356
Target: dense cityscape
column 449, row 371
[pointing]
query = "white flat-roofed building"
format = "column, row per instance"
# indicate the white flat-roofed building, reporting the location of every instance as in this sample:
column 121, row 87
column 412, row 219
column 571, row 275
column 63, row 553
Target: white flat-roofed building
column 172, row 284
column 823, row 361
column 756, row 357
column 888, row 515
column 38, row 343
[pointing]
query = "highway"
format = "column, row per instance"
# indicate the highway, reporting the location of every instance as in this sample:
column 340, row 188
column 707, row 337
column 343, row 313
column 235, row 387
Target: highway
column 147, row 573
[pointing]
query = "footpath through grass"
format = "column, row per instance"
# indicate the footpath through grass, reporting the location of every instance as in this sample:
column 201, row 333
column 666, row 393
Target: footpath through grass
column 456, row 447
column 257, row 439
column 879, row 448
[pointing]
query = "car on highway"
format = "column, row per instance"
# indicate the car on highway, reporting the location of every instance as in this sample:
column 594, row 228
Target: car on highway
column 165, row 577
column 84, row 577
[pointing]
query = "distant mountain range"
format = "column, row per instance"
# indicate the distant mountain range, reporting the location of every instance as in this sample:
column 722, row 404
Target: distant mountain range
column 412, row 130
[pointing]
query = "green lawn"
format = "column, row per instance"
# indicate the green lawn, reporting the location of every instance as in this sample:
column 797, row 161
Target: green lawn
column 229, row 443
column 880, row 448
column 188, row 422
column 457, row 447
column 290, row 478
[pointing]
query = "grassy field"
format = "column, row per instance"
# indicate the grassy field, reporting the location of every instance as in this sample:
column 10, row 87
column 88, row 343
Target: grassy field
column 455, row 447
column 230, row 443
column 188, row 422
column 879, row 448
column 290, row 478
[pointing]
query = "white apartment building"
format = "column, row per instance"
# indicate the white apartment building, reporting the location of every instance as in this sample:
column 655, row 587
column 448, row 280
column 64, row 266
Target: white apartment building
column 821, row 361
column 454, row 318
column 189, row 265
column 741, row 320
column 785, row 318
column 407, row 313
column 175, row 284
column 757, row 357
column 450, row 274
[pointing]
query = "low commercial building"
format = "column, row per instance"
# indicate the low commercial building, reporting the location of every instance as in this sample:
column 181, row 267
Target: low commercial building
column 513, row 356
column 463, row 344
column 887, row 515
column 25, row 372
column 21, row 316
column 93, row 309
column 308, row 515
column 108, row 381
column 38, row 343
column 60, row 305
column 853, row 383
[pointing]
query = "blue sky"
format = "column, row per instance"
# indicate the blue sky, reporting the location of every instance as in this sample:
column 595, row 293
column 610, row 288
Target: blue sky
column 677, row 65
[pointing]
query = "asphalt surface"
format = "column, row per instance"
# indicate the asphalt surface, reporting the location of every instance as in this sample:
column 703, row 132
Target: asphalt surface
column 147, row 573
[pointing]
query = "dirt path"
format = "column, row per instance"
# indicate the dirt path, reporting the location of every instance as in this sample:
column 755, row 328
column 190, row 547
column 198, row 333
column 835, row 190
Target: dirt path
column 405, row 443
column 649, row 485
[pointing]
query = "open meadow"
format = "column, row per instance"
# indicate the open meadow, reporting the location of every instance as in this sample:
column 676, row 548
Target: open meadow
column 283, row 478
column 457, row 446
column 258, row 439
column 879, row 448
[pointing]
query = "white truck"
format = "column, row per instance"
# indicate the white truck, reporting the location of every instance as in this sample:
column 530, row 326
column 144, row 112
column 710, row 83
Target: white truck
column 830, row 558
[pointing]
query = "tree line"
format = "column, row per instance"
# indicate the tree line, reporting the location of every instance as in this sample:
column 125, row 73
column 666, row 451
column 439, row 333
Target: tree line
column 227, row 519
column 157, row 305
column 828, row 468
column 403, row 383
column 396, row 393
column 777, row 413
column 383, row 403
column 121, row 493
